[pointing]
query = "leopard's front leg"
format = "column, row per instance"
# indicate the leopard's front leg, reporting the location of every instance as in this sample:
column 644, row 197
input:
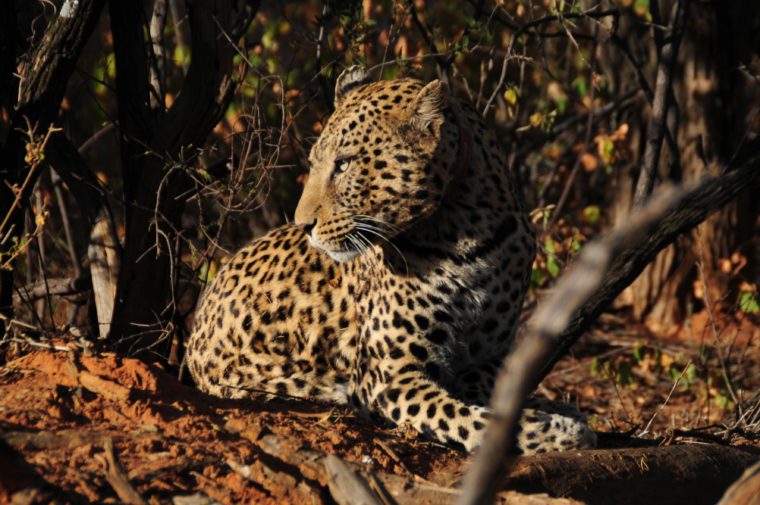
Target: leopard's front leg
column 414, row 399
column 409, row 396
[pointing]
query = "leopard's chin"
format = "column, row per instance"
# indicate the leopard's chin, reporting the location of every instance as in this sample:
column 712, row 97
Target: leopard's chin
column 338, row 255
column 343, row 256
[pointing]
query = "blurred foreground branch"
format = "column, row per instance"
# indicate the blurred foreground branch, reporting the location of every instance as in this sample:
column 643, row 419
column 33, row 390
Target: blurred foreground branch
column 603, row 270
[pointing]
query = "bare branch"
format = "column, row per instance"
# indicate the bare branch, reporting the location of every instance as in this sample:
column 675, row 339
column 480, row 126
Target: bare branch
column 53, row 287
column 662, row 95
column 517, row 375
column 347, row 487
column 704, row 198
column 158, row 56
column 117, row 477
column 440, row 62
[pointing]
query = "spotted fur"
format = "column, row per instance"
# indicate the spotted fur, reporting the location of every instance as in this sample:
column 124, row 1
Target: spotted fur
column 398, row 289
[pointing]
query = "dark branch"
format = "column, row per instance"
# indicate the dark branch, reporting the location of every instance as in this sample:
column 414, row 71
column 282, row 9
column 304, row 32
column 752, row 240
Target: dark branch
column 661, row 102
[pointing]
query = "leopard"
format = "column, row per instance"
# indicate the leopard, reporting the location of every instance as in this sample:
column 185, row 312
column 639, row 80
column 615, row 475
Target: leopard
column 397, row 289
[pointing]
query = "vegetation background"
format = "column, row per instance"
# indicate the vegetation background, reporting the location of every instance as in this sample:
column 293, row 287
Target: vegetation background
column 187, row 160
column 142, row 143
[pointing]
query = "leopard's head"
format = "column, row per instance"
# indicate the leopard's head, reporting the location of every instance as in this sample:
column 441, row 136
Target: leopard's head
column 381, row 164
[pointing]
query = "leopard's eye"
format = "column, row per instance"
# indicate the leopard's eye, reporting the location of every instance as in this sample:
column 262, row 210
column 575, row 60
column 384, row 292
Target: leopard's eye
column 341, row 165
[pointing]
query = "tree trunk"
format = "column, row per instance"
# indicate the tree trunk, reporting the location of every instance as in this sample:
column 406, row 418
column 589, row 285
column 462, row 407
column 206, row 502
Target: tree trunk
column 709, row 120
column 154, row 143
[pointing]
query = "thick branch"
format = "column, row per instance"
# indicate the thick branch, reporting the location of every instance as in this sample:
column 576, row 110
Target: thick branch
column 54, row 59
column 158, row 57
column 8, row 42
column 689, row 473
column 517, row 375
column 52, row 287
column 41, row 89
column 208, row 86
column 132, row 75
column 602, row 271
column 706, row 197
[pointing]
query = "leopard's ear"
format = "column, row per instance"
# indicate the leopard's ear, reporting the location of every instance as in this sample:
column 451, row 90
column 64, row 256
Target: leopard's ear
column 349, row 79
column 429, row 105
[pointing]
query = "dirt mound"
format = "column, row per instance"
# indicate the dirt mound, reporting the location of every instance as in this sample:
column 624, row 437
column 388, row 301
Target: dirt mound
column 59, row 409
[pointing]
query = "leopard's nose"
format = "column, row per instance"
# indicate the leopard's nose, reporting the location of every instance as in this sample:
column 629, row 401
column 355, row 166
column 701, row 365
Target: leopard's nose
column 308, row 227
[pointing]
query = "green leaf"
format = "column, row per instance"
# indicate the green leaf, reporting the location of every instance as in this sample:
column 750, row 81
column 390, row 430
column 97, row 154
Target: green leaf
column 748, row 303
column 549, row 245
column 595, row 367
column 537, row 277
column 580, row 86
column 552, row 266
column 723, row 401
column 691, row 374
column 637, row 351
column 576, row 245
column 591, row 214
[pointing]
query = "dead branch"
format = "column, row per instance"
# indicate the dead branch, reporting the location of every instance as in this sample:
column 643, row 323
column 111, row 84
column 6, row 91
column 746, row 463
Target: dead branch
column 693, row 473
column 347, row 487
column 602, row 271
column 657, row 475
column 52, row 287
column 103, row 250
column 698, row 202
column 103, row 253
column 310, row 467
column 517, row 376
column 117, row 477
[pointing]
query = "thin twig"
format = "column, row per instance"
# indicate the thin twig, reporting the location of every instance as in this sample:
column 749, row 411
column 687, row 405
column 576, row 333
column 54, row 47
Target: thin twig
column 587, row 140
column 63, row 209
column 442, row 65
column 346, row 486
column 718, row 348
column 662, row 406
column 526, row 29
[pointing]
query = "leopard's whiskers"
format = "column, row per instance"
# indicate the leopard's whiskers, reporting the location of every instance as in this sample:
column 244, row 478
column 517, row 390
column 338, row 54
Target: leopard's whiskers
column 377, row 232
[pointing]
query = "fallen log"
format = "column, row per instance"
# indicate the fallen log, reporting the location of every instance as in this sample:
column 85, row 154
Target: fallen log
column 693, row 474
